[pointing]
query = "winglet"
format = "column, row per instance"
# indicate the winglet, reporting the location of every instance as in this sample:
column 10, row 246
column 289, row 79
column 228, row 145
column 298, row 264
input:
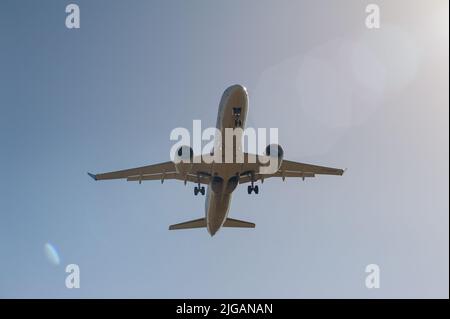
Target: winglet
column 93, row 176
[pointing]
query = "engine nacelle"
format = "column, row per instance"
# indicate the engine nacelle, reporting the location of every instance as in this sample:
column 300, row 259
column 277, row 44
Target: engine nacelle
column 183, row 158
column 275, row 153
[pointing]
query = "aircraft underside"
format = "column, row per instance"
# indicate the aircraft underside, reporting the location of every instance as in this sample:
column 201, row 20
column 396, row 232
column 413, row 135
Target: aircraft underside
column 215, row 174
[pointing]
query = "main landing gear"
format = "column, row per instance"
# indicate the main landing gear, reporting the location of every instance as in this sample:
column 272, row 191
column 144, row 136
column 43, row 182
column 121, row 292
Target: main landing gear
column 199, row 189
column 252, row 188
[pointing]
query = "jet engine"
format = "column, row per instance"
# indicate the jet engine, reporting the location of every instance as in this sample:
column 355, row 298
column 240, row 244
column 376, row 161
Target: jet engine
column 183, row 158
column 275, row 153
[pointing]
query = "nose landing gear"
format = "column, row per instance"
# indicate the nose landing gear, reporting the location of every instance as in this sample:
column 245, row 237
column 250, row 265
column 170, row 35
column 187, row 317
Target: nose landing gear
column 237, row 116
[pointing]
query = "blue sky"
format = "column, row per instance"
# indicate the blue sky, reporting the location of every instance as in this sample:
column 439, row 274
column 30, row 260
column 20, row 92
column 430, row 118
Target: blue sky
column 107, row 96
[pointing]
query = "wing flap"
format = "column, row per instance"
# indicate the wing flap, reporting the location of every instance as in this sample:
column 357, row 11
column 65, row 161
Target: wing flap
column 153, row 177
column 248, row 179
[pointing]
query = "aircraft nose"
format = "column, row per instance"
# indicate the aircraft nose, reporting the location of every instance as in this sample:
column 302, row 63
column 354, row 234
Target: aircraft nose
column 237, row 88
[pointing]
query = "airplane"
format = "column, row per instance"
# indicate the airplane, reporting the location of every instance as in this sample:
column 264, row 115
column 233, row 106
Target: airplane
column 221, row 178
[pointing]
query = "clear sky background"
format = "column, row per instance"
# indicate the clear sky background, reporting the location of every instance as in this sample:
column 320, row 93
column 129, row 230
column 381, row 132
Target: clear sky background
column 106, row 96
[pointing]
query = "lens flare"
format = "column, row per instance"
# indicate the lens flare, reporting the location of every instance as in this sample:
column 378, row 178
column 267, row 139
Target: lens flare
column 52, row 254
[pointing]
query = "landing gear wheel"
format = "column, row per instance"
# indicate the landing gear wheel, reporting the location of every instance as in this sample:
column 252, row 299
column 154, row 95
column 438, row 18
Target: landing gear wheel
column 196, row 190
column 202, row 190
column 256, row 189
column 249, row 189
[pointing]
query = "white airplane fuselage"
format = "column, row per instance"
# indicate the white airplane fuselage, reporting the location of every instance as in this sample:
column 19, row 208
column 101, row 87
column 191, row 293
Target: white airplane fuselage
column 225, row 177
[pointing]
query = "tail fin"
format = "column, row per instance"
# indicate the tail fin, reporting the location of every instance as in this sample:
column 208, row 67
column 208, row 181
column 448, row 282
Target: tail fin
column 196, row 223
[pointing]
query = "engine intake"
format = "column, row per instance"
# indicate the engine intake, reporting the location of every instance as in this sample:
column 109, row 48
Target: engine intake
column 183, row 157
column 275, row 153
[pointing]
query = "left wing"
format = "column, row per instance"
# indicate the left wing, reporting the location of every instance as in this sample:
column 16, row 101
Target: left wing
column 198, row 172
column 159, row 169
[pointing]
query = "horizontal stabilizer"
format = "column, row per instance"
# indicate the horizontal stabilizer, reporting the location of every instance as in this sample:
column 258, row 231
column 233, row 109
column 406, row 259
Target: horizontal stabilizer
column 201, row 222
column 196, row 223
column 93, row 176
column 230, row 222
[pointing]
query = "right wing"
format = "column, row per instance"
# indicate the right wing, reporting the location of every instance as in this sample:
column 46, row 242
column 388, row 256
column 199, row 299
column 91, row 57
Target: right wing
column 288, row 169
